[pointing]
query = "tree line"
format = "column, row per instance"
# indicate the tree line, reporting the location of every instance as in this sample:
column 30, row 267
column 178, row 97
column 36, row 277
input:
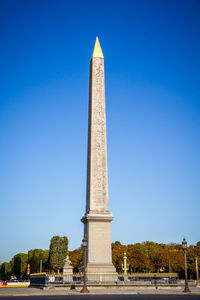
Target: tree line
column 52, row 260
column 154, row 257
column 141, row 257
column 148, row 257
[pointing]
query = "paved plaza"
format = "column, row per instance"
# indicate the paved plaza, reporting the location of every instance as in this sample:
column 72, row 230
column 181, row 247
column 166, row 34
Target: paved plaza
column 105, row 297
column 100, row 293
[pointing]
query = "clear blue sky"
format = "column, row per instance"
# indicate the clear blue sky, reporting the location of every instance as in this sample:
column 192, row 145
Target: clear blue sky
column 152, row 65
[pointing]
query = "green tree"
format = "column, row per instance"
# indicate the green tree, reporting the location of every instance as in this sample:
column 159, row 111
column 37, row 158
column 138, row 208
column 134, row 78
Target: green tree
column 76, row 257
column 137, row 259
column 20, row 264
column 118, row 255
column 57, row 252
column 176, row 259
column 34, row 257
column 117, row 243
column 191, row 258
column 157, row 256
column 11, row 262
column 198, row 245
column 5, row 270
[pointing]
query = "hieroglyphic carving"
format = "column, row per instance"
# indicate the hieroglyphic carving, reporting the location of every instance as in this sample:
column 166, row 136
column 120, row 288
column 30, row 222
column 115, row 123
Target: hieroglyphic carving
column 99, row 127
column 89, row 145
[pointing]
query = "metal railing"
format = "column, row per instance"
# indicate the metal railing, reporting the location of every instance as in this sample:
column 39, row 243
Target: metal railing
column 105, row 278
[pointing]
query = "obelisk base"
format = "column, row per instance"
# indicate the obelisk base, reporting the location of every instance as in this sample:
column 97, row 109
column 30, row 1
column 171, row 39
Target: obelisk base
column 101, row 272
column 99, row 256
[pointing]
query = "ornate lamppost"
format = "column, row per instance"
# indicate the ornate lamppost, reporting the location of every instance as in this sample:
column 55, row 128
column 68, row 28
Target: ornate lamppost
column 125, row 266
column 84, row 243
column 184, row 244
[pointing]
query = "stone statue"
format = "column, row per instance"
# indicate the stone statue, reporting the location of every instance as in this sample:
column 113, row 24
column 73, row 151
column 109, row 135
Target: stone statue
column 67, row 270
column 67, row 260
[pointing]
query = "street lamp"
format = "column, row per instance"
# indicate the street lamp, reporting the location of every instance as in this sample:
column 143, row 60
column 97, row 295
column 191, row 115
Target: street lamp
column 125, row 266
column 84, row 243
column 184, row 244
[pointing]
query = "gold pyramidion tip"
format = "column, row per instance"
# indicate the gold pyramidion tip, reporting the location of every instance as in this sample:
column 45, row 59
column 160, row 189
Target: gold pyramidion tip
column 97, row 52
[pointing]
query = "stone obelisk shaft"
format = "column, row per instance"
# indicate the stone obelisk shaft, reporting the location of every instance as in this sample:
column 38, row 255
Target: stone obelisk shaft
column 97, row 217
column 97, row 181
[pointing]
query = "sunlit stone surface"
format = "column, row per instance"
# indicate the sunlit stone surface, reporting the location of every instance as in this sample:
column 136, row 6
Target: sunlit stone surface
column 97, row 217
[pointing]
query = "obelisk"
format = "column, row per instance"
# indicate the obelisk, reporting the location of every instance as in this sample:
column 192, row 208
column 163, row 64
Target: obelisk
column 97, row 217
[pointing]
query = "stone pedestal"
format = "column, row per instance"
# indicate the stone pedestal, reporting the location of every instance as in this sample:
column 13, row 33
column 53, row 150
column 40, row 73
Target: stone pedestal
column 67, row 270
